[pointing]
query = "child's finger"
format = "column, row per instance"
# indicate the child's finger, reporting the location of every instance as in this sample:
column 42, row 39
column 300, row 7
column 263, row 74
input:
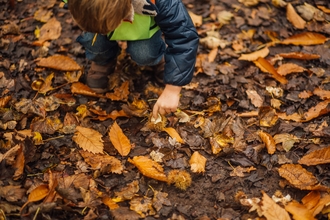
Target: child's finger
column 155, row 111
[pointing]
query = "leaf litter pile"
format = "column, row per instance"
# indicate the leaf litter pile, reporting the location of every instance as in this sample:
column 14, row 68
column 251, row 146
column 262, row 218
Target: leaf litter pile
column 250, row 140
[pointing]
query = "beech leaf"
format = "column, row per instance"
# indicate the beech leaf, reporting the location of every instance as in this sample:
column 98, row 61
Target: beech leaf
column 174, row 134
column 255, row 55
column 269, row 141
column 299, row 211
column 119, row 140
column 149, row 168
column 294, row 18
column 288, row 68
column 37, row 194
column 265, row 66
column 299, row 56
column 320, row 156
column 88, row 139
column 197, row 163
column 59, row 62
column 307, row 38
column 79, row 88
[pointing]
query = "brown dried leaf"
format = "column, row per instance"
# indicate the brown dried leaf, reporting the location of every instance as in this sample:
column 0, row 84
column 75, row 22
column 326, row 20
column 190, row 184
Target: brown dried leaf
column 287, row 140
column 49, row 31
column 271, row 210
column 269, row 141
column 119, row 140
column 294, row 18
column 88, row 139
column 307, row 38
column 12, row 193
column 239, row 171
column 174, row 134
column 255, row 55
column 4, row 101
column 197, row 19
column 300, row 177
column 48, row 125
column 299, row 56
column 311, row 199
column 299, row 211
column 267, row 116
column 320, row 156
column 197, row 163
column 159, row 199
column 324, row 9
column 73, row 76
column 323, row 94
column 104, row 163
column 255, row 98
column 59, row 62
column 142, row 206
column 79, row 88
column 149, row 168
column 288, row 68
column 43, row 85
column 267, row 67
column 113, row 115
column 19, row 164
column 120, row 93
column 128, row 192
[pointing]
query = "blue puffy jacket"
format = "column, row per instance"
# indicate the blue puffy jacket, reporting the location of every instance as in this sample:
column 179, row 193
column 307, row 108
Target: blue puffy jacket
column 181, row 38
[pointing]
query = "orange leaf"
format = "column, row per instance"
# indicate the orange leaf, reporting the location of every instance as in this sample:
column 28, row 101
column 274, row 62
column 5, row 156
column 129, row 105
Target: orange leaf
column 59, row 62
column 300, row 56
column 323, row 94
column 294, row 18
column 288, row 68
column 174, row 134
column 324, row 9
column 299, row 211
column 19, row 164
column 305, row 94
column 37, row 194
column 4, row 101
column 79, row 88
column 255, row 55
column 271, row 210
column 119, row 140
column 269, row 141
column 110, row 203
column 120, row 93
column 300, row 177
column 265, row 66
column 307, row 38
column 88, row 139
column 197, row 163
column 320, row 109
column 321, row 156
column 149, row 168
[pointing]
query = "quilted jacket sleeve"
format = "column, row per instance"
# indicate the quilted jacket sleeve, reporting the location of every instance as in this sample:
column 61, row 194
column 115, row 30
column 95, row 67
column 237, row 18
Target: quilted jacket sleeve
column 181, row 39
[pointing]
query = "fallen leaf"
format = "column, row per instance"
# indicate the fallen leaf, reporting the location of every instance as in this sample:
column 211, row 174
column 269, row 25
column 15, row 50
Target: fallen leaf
column 255, row 55
column 294, row 18
column 265, row 66
column 267, row 116
column 320, row 156
column 37, row 194
column 323, row 94
column 142, row 206
column 119, row 140
column 307, row 38
column 12, row 193
column 88, row 139
column 239, row 171
column 149, row 168
column 120, row 93
column 299, row 211
column 59, row 62
column 4, row 101
column 254, row 97
column 299, row 56
column 79, row 88
column 49, row 31
column 197, row 163
column 305, row 94
column 300, row 177
column 268, row 141
column 110, row 203
column 271, row 210
column 289, row 68
column 127, row 192
column 19, row 164
column 197, row 19
column 174, row 134
column 287, row 140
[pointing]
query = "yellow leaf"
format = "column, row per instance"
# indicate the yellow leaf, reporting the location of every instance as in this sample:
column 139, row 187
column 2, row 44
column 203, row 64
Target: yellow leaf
column 307, row 38
column 88, row 139
column 197, row 19
column 320, row 156
column 148, row 167
column 299, row 211
column 294, row 18
column 174, row 134
column 197, row 163
column 110, row 203
column 255, row 55
column 119, row 140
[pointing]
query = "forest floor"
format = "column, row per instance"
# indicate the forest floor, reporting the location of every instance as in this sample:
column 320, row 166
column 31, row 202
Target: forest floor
column 261, row 124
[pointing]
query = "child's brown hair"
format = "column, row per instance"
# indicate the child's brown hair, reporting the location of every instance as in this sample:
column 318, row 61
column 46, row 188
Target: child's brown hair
column 99, row 16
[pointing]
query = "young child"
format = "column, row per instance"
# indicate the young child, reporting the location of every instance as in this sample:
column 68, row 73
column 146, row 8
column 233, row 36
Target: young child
column 141, row 23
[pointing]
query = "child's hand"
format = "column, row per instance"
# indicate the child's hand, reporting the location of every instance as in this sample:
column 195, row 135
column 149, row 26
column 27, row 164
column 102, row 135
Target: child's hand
column 168, row 101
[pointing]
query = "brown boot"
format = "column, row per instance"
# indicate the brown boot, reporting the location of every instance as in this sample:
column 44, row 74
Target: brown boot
column 159, row 71
column 98, row 76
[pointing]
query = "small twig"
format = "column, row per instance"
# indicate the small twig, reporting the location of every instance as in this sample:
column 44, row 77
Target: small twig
column 35, row 216
column 83, row 211
column 54, row 138
column 3, row 214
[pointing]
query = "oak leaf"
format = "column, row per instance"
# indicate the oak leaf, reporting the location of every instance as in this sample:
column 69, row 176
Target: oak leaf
column 119, row 140
column 59, row 62
column 197, row 163
column 149, row 167
column 307, row 38
column 294, row 18
column 88, row 139
column 269, row 141
column 320, row 156
column 267, row 67
column 300, row 177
